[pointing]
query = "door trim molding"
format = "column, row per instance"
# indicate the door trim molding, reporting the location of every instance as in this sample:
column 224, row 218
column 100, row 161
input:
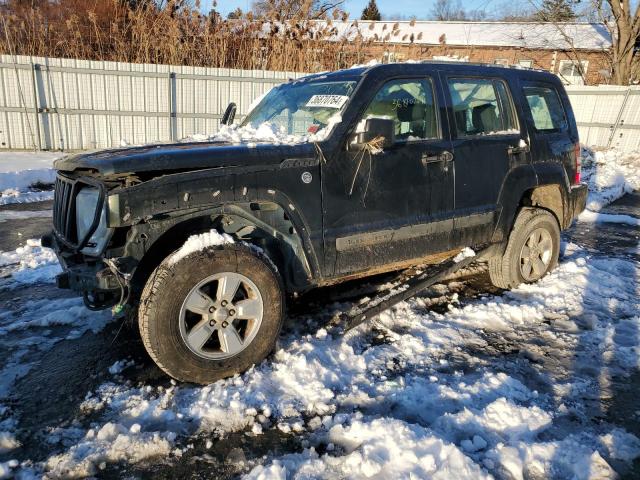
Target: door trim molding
column 377, row 237
column 389, row 235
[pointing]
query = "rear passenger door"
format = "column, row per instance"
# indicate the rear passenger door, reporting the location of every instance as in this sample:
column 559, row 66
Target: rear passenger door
column 487, row 143
column 552, row 138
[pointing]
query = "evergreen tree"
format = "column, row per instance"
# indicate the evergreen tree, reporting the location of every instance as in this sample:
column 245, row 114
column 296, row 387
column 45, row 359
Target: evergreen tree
column 556, row 11
column 236, row 14
column 371, row 11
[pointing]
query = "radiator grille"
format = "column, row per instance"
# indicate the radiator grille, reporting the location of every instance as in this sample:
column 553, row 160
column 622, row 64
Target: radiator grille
column 64, row 209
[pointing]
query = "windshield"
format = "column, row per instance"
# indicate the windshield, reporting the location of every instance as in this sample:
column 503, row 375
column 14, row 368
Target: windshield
column 302, row 109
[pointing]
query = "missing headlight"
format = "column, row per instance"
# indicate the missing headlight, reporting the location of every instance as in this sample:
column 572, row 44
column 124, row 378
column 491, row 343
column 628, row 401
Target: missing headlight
column 86, row 207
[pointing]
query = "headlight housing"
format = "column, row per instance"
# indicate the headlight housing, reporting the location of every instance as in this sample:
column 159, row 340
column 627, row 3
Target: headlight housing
column 86, row 205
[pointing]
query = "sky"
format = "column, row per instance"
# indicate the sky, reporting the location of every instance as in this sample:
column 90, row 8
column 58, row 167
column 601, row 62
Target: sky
column 388, row 8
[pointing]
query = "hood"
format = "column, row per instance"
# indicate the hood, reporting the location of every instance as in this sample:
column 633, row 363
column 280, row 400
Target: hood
column 167, row 158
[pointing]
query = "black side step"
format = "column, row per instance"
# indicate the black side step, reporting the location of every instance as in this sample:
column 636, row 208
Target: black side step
column 432, row 275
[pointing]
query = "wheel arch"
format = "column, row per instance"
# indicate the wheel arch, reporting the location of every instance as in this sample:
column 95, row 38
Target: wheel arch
column 540, row 187
column 267, row 224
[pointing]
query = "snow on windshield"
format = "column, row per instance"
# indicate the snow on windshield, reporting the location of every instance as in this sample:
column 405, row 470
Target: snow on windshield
column 295, row 112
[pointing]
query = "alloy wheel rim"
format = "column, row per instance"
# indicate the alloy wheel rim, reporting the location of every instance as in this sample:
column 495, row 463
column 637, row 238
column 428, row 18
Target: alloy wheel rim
column 535, row 255
column 221, row 315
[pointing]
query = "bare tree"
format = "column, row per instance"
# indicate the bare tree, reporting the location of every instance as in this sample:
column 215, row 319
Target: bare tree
column 448, row 10
column 624, row 27
column 295, row 9
column 452, row 10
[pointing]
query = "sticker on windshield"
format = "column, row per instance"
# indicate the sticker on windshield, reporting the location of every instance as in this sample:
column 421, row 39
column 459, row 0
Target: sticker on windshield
column 327, row 101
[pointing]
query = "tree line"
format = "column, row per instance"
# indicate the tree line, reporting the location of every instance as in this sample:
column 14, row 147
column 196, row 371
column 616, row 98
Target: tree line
column 179, row 32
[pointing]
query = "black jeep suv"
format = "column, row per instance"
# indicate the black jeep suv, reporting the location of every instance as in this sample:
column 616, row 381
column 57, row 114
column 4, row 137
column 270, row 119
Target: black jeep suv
column 370, row 170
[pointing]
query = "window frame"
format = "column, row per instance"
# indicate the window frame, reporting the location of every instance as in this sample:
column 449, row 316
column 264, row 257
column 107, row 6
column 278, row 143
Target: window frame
column 551, row 87
column 499, row 100
column 525, row 60
column 427, row 78
column 584, row 65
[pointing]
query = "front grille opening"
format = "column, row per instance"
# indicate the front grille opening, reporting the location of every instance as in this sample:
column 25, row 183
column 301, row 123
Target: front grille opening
column 64, row 208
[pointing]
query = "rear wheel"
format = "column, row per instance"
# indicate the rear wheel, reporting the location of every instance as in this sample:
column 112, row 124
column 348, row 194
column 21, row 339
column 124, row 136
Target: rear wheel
column 211, row 314
column 532, row 250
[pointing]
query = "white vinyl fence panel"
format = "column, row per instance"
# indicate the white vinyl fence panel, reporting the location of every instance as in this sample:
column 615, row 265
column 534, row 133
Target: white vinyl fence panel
column 607, row 115
column 68, row 104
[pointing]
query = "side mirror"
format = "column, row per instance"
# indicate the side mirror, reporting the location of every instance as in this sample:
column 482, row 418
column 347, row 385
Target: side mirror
column 383, row 128
column 229, row 114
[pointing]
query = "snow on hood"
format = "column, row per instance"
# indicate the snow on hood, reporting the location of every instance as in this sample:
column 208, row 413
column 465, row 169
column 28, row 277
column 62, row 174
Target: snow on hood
column 265, row 133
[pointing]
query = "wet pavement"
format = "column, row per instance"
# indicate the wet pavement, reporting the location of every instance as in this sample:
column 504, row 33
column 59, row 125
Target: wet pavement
column 50, row 394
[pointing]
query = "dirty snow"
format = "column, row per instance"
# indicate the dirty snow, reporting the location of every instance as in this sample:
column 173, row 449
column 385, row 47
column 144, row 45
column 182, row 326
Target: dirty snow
column 465, row 253
column 589, row 216
column 30, row 263
column 37, row 325
column 265, row 133
column 432, row 397
column 196, row 243
column 610, row 174
column 371, row 402
column 19, row 171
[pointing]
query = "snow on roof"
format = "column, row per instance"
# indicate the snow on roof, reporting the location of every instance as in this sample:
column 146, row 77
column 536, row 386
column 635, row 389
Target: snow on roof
column 561, row 36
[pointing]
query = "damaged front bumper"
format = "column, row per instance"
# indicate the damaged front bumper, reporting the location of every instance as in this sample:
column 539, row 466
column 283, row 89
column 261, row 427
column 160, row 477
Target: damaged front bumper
column 95, row 280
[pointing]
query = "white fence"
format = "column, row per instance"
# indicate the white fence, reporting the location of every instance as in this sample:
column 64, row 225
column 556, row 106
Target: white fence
column 607, row 115
column 67, row 104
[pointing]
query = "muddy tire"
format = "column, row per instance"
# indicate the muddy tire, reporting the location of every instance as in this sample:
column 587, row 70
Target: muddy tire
column 211, row 314
column 532, row 250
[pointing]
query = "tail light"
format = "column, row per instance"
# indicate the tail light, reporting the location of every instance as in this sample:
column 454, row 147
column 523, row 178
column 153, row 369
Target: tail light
column 578, row 165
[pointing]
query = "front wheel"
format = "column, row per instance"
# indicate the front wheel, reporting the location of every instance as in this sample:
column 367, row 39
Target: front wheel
column 211, row 314
column 532, row 250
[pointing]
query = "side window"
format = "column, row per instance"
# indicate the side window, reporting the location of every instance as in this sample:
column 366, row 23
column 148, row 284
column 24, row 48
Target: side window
column 410, row 104
column 546, row 109
column 482, row 107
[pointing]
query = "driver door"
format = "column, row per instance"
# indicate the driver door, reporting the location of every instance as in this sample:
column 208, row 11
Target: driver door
column 396, row 204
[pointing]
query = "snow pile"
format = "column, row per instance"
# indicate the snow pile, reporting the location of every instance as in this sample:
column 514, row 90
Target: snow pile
column 35, row 327
column 110, row 443
column 197, row 243
column 610, row 174
column 119, row 366
column 265, row 133
column 423, row 396
column 7, row 442
column 20, row 170
column 382, row 448
column 6, row 467
column 594, row 217
column 31, row 263
column 465, row 253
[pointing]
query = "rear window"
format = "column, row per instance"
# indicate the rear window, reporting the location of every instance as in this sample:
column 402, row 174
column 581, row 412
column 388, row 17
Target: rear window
column 481, row 107
column 546, row 109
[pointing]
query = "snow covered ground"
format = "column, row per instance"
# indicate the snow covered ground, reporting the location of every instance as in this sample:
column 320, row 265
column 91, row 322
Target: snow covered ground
column 459, row 383
column 21, row 171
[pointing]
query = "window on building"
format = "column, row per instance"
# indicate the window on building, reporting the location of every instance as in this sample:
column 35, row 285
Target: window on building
column 501, row 61
column 410, row 104
column 390, row 57
column 572, row 72
column 546, row 109
column 525, row 63
column 482, row 107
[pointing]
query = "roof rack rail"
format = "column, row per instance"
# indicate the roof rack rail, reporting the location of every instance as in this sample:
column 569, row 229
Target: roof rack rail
column 485, row 64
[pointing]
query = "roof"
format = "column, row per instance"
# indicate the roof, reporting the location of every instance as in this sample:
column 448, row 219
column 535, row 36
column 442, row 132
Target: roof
column 559, row 36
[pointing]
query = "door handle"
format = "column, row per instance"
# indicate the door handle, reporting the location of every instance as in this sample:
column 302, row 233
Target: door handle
column 444, row 156
column 523, row 147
